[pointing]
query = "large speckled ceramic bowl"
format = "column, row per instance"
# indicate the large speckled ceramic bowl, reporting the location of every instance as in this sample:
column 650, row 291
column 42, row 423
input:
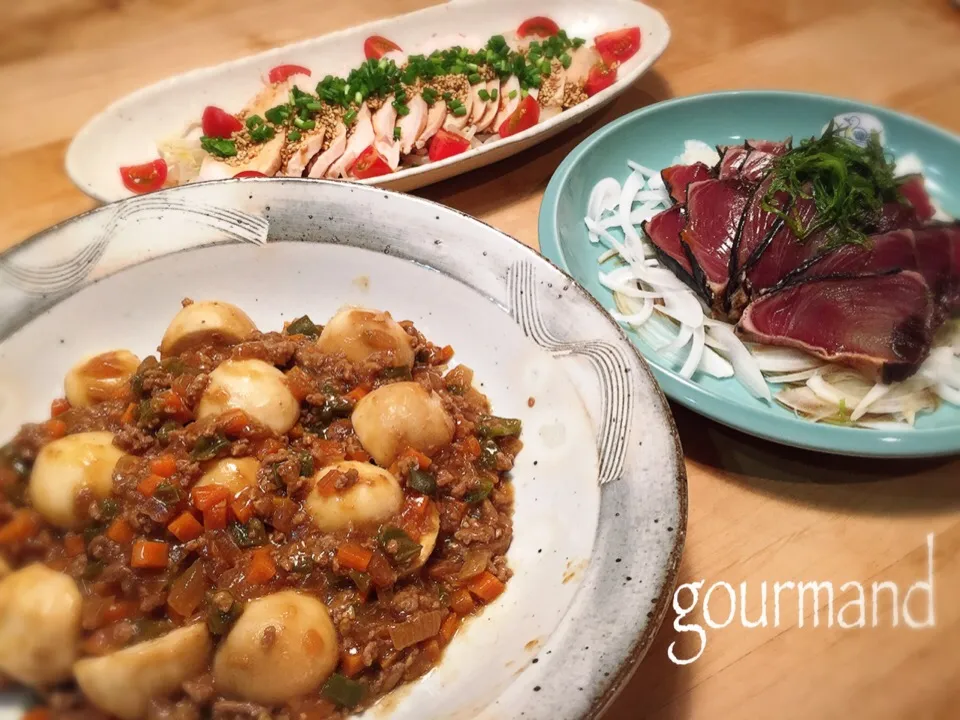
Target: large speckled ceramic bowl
column 600, row 486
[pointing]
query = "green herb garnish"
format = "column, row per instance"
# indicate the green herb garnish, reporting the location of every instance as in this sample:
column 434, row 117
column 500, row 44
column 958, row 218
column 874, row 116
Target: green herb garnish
column 848, row 184
column 293, row 135
column 262, row 133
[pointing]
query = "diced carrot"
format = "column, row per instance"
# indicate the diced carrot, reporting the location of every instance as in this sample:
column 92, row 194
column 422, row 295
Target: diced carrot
column 449, row 628
column 354, row 556
column 328, row 451
column 206, row 496
column 235, row 422
column 149, row 554
column 242, row 507
column 327, row 485
column 73, row 545
column 445, row 354
column 148, row 486
column 357, row 394
column 423, row 462
column 129, row 415
column 269, row 446
column 261, row 567
column 56, row 428
column 431, row 650
column 486, row 586
column 358, row 455
column 215, row 518
column 21, row 526
column 186, row 527
column 119, row 610
column 172, row 403
column 352, row 664
column 471, row 446
column 462, row 602
column 37, row 713
column 164, row 466
column 300, row 383
column 120, row 532
column 58, row 407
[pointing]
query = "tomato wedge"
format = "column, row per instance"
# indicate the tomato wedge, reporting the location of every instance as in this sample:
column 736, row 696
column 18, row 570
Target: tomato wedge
column 369, row 163
column 376, row 46
column 144, row 178
column 219, row 123
column 447, row 144
column 600, row 77
column 249, row 173
column 524, row 117
column 538, row 26
column 282, row 72
column 618, row 45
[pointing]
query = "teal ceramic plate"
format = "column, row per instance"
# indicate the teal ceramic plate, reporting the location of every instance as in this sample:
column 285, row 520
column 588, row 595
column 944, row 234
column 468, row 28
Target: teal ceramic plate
column 654, row 136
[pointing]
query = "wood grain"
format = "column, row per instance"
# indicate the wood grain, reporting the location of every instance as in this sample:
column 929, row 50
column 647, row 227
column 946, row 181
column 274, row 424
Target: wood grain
column 758, row 512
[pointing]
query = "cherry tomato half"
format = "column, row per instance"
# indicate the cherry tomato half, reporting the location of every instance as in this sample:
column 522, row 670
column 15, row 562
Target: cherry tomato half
column 282, row 72
column 369, row 163
column 618, row 45
column 219, row 123
column 600, row 77
column 144, row 178
column 376, row 46
column 447, row 144
column 524, row 117
column 538, row 26
column 249, row 173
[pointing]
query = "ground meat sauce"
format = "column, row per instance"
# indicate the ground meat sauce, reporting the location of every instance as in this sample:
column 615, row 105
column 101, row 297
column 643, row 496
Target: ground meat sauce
column 392, row 624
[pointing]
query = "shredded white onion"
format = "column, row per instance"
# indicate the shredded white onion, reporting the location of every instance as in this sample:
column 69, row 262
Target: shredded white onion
column 685, row 337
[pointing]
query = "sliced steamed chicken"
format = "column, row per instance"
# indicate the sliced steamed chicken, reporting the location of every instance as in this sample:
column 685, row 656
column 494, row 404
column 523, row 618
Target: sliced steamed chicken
column 581, row 61
column 259, row 157
column 485, row 123
column 478, row 104
column 384, row 121
column 361, row 138
column 436, row 116
column 550, row 96
column 333, row 153
column 299, row 154
column 510, row 86
column 413, row 123
column 458, row 123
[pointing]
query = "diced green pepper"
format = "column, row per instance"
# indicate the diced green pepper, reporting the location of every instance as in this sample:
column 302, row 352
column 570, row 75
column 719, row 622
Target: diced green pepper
column 480, row 493
column 343, row 691
column 491, row 426
column 208, row 447
column 422, row 482
column 303, row 326
column 250, row 534
column 398, row 545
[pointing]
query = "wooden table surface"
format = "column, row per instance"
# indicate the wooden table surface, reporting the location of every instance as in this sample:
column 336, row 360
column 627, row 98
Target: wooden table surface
column 758, row 512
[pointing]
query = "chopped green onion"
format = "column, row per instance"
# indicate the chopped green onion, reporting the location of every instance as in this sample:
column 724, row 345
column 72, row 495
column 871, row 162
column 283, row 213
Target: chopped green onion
column 512, row 95
column 253, row 121
column 483, row 95
column 350, row 117
column 447, row 96
column 577, row 42
column 304, row 124
column 293, row 135
column 565, row 60
column 279, row 114
column 494, row 93
column 403, row 110
column 314, row 106
column 474, row 79
column 358, row 97
column 472, row 67
column 221, row 147
column 460, row 111
column 396, row 133
column 262, row 133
